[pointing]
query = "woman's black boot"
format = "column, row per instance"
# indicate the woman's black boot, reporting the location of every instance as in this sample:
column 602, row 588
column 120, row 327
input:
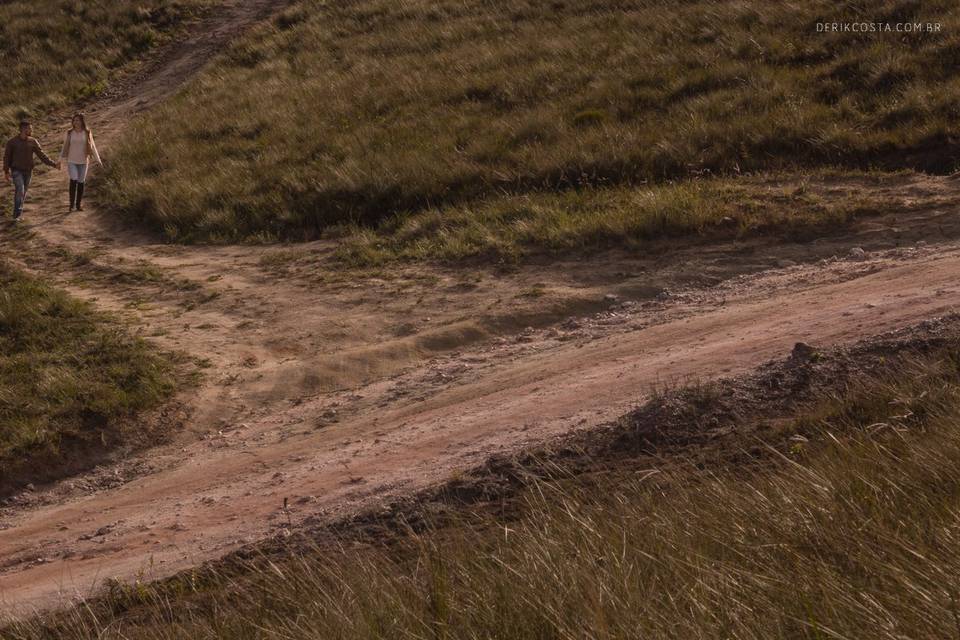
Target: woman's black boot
column 73, row 194
column 79, row 196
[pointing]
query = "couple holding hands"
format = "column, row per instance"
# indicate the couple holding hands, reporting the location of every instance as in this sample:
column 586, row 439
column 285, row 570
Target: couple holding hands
column 78, row 149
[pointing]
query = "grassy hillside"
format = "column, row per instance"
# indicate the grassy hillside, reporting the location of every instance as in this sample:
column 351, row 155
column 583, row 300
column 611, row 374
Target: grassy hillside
column 845, row 529
column 55, row 52
column 511, row 227
column 353, row 112
column 70, row 379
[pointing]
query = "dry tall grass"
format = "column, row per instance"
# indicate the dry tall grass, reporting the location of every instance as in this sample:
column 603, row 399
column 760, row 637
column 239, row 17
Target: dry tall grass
column 350, row 112
column 851, row 532
column 54, row 52
column 511, row 227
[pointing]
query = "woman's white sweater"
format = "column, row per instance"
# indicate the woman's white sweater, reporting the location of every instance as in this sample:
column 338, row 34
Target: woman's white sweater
column 75, row 148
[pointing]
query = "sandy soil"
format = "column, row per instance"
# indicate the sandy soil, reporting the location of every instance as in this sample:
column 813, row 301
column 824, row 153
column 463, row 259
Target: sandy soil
column 327, row 392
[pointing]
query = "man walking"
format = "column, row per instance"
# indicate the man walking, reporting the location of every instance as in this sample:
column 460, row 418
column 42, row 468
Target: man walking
column 18, row 164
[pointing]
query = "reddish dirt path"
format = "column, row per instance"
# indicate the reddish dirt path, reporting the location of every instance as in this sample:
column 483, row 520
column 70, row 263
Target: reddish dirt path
column 335, row 391
column 230, row 489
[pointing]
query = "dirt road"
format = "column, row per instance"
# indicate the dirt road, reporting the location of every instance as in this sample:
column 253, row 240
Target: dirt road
column 329, row 391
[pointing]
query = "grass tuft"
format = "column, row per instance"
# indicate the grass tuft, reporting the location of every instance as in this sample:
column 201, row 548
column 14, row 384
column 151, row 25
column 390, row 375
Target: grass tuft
column 70, row 379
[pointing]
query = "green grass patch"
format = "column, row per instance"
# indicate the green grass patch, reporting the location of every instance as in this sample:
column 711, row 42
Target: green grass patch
column 508, row 228
column 70, row 380
column 56, row 52
column 354, row 112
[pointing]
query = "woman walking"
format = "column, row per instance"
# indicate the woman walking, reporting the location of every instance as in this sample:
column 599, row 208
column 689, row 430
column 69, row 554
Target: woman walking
column 78, row 147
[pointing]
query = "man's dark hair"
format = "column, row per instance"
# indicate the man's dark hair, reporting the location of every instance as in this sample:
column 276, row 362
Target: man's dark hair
column 24, row 124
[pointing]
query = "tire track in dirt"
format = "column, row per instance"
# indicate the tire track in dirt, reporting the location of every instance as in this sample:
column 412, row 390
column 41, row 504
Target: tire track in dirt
column 231, row 490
